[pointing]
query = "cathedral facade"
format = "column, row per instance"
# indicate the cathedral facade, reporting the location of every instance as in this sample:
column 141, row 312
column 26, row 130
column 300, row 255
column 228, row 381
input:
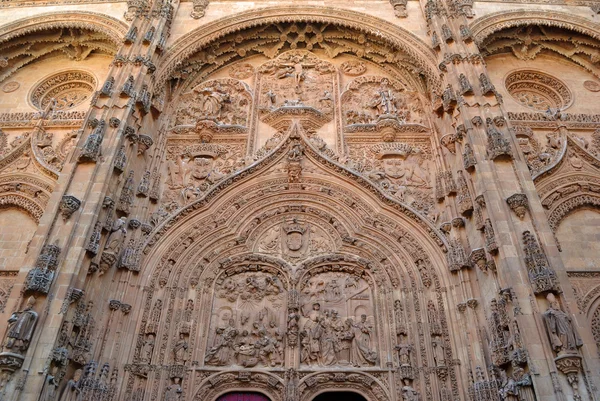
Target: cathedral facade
column 234, row 200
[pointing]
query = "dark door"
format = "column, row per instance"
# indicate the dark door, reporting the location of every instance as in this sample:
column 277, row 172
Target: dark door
column 339, row 396
column 243, row 396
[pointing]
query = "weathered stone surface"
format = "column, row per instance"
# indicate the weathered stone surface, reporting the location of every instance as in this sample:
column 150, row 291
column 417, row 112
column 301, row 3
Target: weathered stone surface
column 397, row 199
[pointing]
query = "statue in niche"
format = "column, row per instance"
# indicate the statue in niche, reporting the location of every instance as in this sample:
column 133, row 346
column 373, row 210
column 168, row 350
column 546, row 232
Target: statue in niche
column 561, row 330
column 147, row 349
column 337, row 334
column 173, row 391
column 20, row 328
column 404, row 351
column 409, row 394
column 179, row 350
column 73, row 389
column 437, row 344
column 116, row 237
column 51, row 385
column 509, row 390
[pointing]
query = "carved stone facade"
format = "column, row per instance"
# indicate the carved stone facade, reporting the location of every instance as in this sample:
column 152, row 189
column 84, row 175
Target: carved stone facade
column 224, row 200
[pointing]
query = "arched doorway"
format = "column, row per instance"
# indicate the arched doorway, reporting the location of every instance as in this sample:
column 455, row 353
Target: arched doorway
column 243, row 396
column 339, row 396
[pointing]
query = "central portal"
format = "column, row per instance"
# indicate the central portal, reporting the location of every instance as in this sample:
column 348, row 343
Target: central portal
column 339, row 396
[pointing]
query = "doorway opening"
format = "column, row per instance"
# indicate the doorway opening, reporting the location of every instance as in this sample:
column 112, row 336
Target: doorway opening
column 339, row 396
column 243, row 396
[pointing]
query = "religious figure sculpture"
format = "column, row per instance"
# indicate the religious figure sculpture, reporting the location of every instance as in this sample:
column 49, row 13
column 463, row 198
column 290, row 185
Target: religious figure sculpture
column 563, row 335
column 179, row 350
column 116, row 237
column 409, row 394
column 173, row 392
column 147, row 349
column 20, row 328
column 220, row 354
column 73, row 390
column 362, row 354
column 509, row 390
column 438, row 350
column 404, row 351
column 51, row 385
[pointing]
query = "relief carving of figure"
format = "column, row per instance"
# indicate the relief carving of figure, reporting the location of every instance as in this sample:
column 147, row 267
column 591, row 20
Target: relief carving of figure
column 20, row 328
column 221, row 352
column 438, row 350
column 179, row 350
column 561, row 330
column 116, row 237
column 73, row 389
column 362, row 353
column 146, row 354
column 173, row 391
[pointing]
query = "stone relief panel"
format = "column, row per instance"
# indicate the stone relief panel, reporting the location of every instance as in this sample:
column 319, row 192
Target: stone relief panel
column 337, row 324
column 193, row 169
column 248, row 315
column 370, row 99
column 405, row 170
column 63, row 91
column 538, row 91
column 223, row 101
column 295, row 239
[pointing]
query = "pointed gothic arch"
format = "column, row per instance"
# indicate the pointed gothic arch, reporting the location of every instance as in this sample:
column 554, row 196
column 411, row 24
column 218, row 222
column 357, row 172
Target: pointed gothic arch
column 202, row 37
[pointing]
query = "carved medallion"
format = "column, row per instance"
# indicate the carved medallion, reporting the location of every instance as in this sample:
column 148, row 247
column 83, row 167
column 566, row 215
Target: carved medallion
column 63, row 91
column 10, row 87
column 592, row 86
column 538, row 91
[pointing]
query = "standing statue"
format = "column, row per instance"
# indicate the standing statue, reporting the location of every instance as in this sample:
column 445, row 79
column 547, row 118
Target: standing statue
column 116, row 237
column 146, row 356
column 361, row 344
column 404, row 353
column 49, row 391
column 73, row 389
column 509, row 391
column 409, row 394
column 179, row 350
column 562, row 333
column 173, row 392
column 20, row 327
column 438, row 350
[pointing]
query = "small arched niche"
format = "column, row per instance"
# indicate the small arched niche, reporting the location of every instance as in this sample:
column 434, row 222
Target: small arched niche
column 243, row 396
column 339, row 396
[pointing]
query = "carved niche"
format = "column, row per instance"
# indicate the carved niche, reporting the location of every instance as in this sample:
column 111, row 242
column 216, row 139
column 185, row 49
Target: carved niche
column 337, row 323
column 249, row 309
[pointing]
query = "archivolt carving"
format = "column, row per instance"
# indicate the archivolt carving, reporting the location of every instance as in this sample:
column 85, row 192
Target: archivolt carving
column 484, row 27
column 34, row 209
column 76, row 35
column 220, row 383
column 363, row 383
column 201, row 38
column 527, row 33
